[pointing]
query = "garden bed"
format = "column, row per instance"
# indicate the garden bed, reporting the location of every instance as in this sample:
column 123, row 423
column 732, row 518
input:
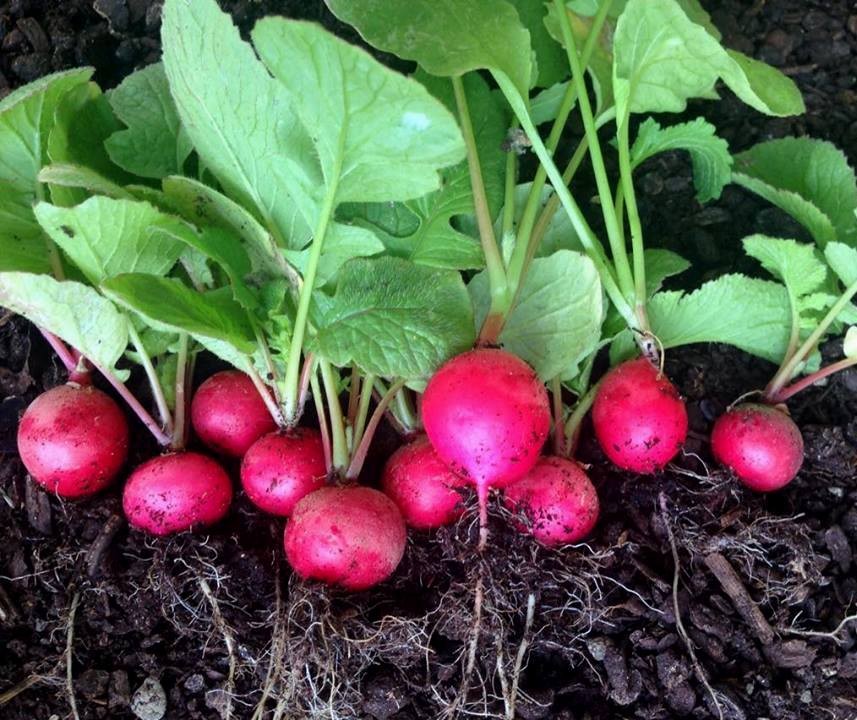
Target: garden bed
column 688, row 584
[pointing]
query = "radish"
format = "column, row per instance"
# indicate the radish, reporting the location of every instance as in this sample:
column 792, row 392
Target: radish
column 760, row 444
column 176, row 492
column 486, row 414
column 353, row 537
column 228, row 414
column 639, row 417
column 425, row 490
column 73, row 440
column 558, row 500
column 280, row 468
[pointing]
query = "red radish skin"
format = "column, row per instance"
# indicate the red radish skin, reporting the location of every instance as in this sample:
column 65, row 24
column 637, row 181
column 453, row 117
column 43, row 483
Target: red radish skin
column 426, row 491
column 176, row 492
column 760, row 444
column 280, row 468
column 73, row 440
column 558, row 500
column 639, row 417
column 487, row 416
column 228, row 414
column 353, row 537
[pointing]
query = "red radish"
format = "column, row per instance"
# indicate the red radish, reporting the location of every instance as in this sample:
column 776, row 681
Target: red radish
column 351, row 536
column 73, row 440
column 487, row 415
column 422, row 486
column 558, row 500
column 760, row 444
column 280, row 468
column 639, row 417
column 228, row 414
column 176, row 492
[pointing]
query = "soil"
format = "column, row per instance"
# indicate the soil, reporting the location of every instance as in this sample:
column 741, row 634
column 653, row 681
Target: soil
column 692, row 599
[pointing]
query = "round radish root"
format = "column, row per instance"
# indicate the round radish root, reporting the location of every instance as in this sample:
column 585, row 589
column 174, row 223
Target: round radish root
column 73, row 440
column 639, row 417
column 422, row 486
column 173, row 493
column 558, row 500
column 487, row 415
column 280, row 468
column 353, row 537
column 760, row 444
column 228, row 414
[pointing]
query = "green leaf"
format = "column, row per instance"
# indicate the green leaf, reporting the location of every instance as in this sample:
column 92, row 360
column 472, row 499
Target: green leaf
column 660, row 265
column 750, row 314
column 168, row 306
column 76, row 176
column 73, row 312
column 551, row 61
column 556, row 321
column 709, row 153
column 379, row 136
column 843, row 261
column 761, row 86
column 396, row 319
column 26, row 119
column 849, row 344
column 342, row 243
column 446, row 37
column 154, row 144
column 238, row 117
column 544, row 107
column 794, row 264
column 106, row 237
column 83, row 121
column 807, row 178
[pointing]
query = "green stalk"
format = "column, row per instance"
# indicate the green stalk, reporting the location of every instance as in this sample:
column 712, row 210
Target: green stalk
column 291, row 404
column 363, row 409
column 617, row 248
column 575, row 420
column 360, row 453
column 337, row 427
column 493, row 260
column 803, row 383
column 587, row 237
column 179, row 434
column 508, row 226
column 558, row 427
column 152, row 377
column 405, row 412
column 322, row 422
column 528, row 218
column 785, row 373
column 634, row 223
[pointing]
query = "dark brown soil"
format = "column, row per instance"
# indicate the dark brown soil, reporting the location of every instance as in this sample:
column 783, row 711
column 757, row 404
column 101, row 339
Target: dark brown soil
column 618, row 629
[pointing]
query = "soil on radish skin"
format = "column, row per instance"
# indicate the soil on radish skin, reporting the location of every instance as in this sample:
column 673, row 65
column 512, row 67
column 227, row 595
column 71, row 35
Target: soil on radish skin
column 604, row 641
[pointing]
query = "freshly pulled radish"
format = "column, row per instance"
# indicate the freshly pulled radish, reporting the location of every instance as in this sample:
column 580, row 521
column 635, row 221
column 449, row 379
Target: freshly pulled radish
column 639, row 417
column 228, row 414
column 425, row 490
column 760, row 444
column 73, row 440
column 558, row 501
column 487, row 415
column 176, row 492
column 281, row 467
column 353, row 537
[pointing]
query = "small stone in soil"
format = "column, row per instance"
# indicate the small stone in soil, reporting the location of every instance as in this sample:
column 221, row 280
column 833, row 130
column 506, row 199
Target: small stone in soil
column 149, row 701
column 92, row 684
column 195, row 683
column 837, row 544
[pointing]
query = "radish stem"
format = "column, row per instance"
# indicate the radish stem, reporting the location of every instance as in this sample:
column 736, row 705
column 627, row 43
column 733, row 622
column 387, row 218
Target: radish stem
column 359, row 456
column 152, row 377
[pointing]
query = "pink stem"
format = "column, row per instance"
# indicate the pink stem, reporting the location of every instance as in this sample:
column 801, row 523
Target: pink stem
column 803, row 383
column 59, row 347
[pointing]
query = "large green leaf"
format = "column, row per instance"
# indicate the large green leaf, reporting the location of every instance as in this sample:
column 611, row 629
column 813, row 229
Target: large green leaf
column 396, row 319
column 807, row 178
column 26, row 120
column 709, row 153
column 154, row 144
column 843, row 261
column 750, row 314
column 169, row 306
column 379, row 136
column 446, row 37
column 105, row 237
column 795, row 264
column 71, row 311
column 551, row 61
column 67, row 175
column 556, row 321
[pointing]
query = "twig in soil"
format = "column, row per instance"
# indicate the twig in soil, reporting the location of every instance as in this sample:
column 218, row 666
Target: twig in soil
column 278, row 650
column 69, row 643
column 473, row 646
column 519, row 658
column 679, row 625
column 828, row 635
column 101, row 543
column 228, row 640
